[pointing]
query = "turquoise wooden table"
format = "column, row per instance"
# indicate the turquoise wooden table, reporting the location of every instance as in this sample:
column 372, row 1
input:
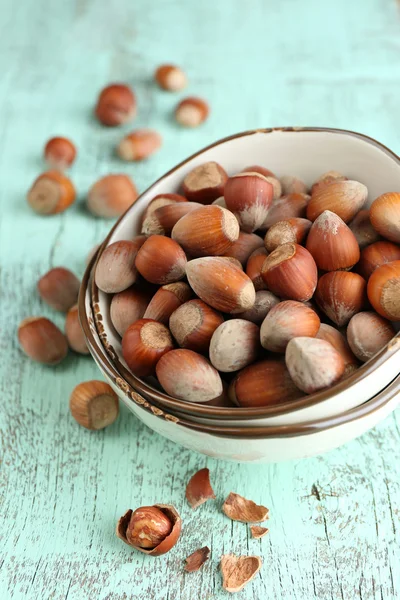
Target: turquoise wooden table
column 334, row 527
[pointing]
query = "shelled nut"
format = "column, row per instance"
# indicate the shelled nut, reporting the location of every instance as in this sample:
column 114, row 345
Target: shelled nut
column 234, row 345
column 283, row 232
column 143, row 344
column 205, row 183
column 162, row 220
column 384, row 290
column 59, row 288
column 344, row 198
column 244, row 246
column 52, row 192
column 94, row 404
column 192, row 112
column 116, row 270
column 116, row 105
column 59, row 153
column 290, row 272
column 264, row 301
column 385, row 216
column 285, row 321
column 111, row 196
column 170, row 78
column 193, row 324
column 166, row 300
column 42, row 341
column 286, row 207
column 331, row 243
column 127, row 307
column 362, row 228
column 292, row 185
column 376, row 255
column 254, row 266
column 139, row 144
column 74, row 332
column 161, row 260
column 249, row 196
column 340, row 295
column 339, row 342
column 368, row 333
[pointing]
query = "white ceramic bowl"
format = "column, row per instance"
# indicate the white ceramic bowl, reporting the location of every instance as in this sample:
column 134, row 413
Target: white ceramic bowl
column 299, row 151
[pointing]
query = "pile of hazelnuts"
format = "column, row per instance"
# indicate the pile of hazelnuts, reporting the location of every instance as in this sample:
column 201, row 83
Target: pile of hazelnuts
column 266, row 290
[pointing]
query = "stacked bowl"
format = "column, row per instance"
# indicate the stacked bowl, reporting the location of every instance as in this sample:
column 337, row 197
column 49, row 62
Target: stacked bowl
column 303, row 427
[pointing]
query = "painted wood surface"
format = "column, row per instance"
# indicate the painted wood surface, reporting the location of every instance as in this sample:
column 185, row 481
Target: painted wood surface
column 334, row 528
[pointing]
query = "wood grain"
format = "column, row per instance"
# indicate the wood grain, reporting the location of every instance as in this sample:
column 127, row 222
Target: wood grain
column 334, row 527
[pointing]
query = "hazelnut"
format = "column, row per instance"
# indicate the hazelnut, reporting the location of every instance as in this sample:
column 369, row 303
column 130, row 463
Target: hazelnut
column 344, row 198
column 166, row 300
column 116, row 270
column 193, row 325
column 158, row 202
column 263, row 303
column 59, row 288
column 234, row 345
column 368, row 333
column 283, row 232
column 205, row 183
column 186, row 375
column 362, row 228
column 292, row 185
column 376, row 255
column 51, row 193
column 208, row 231
column 170, row 78
column 143, row 344
column 191, row 112
column 244, row 246
column 384, row 290
column 290, row 272
column 162, row 220
column 286, row 207
column 139, row 144
column 339, row 342
column 111, row 196
column 331, row 243
column 199, row 489
column 59, row 153
column 326, row 179
column 74, row 332
column 221, row 284
column 94, row 404
column 42, row 341
column 269, row 176
column 161, row 260
column 153, row 530
column 313, row 364
column 127, row 307
column 285, row 321
column 116, row 105
column 249, row 196
column 340, row 295
column 385, row 216
column 258, row 169
column 238, row 571
column 254, row 266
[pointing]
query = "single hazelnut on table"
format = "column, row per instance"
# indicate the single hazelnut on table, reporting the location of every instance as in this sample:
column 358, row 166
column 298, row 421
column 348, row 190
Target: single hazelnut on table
column 162, row 220
column 143, row 344
column 221, row 284
column 385, row 216
column 285, row 321
column 234, row 345
column 42, row 341
column 193, row 325
column 376, row 255
column 186, row 375
column 192, row 112
column 254, row 266
column 362, row 228
column 139, row 144
column 153, row 530
column 290, row 272
column 59, row 288
column 286, row 207
column 59, row 153
column 199, row 489
column 313, row 364
column 331, row 243
column 249, row 196
column 161, row 260
column 264, row 383
column 170, row 78
column 127, row 307
column 208, row 231
column 339, row 342
column 51, row 193
column 340, row 295
column 283, row 232
column 116, row 105
column 292, row 185
column 269, row 176
column 238, row 571
column 344, row 198
column 94, row 404
column 384, row 290
column 205, row 183
column 326, row 179
column 159, row 201
column 116, row 270
column 244, row 246
column 74, row 332
column 264, row 302
column 368, row 333
column 166, row 300
column 111, row 196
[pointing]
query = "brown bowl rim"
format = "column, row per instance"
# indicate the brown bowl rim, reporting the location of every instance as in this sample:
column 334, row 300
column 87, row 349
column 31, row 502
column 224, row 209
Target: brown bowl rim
column 239, row 412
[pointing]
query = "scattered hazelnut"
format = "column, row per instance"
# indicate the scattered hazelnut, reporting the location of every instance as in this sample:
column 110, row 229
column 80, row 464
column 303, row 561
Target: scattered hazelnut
column 170, row 78
column 220, row 284
column 285, row 321
column 143, row 344
column 376, row 255
column 111, row 196
column 290, row 272
column 116, row 270
column 234, row 345
column 196, row 560
column 384, row 290
column 283, row 232
column 292, row 185
column 139, row 144
column 254, row 266
column 127, row 307
column 385, row 216
column 205, row 183
column 166, row 300
column 249, row 197
column 199, row 489
column 286, row 207
column 263, row 303
column 74, row 332
column 362, row 228
column 339, row 342
column 153, row 530
column 344, row 198
column 340, row 295
column 42, row 341
column 186, row 375
column 59, row 288
column 116, row 105
column 240, row 509
column 244, row 246
column 193, row 325
column 162, row 220
column 94, row 404
column 368, row 333
column 313, row 364
column 331, row 243
column 191, row 112
column 237, row 571
column 51, row 193
column 59, row 153
column 208, row 231
column 161, row 260
column 258, row 532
